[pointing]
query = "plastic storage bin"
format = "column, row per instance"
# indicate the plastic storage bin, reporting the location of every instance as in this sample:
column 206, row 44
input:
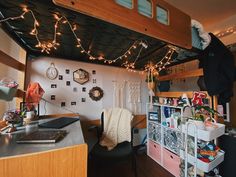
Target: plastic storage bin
column 7, row 93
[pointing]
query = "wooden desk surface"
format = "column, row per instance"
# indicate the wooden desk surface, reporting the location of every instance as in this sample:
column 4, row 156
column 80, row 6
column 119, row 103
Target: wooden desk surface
column 9, row 147
column 67, row 158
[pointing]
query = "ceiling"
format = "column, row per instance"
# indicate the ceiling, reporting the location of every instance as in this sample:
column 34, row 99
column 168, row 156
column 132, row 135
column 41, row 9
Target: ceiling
column 98, row 37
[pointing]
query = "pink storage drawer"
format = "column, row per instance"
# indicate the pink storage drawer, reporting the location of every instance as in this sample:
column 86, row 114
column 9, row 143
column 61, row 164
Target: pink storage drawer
column 154, row 151
column 171, row 162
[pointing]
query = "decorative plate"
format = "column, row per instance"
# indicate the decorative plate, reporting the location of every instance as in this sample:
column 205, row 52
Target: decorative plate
column 52, row 72
column 96, row 93
column 81, row 76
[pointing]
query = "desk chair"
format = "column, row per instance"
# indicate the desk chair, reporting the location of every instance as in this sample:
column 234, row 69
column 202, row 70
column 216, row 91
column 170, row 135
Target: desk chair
column 123, row 152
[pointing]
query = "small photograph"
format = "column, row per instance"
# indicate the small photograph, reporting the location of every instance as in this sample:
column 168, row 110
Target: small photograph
column 67, row 71
column 60, row 77
column 53, row 97
column 73, row 103
column 68, row 83
column 53, row 85
column 63, row 104
column 153, row 116
column 75, row 89
column 83, row 100
column 83, row 89
column 94, row 72
column 94, row 81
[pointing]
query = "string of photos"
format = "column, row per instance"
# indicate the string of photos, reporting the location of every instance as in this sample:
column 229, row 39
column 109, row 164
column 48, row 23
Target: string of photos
column 47, row 46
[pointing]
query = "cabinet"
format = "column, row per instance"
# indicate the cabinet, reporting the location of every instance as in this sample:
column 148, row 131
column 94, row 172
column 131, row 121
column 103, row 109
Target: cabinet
column 167, row 134
column 165, row 140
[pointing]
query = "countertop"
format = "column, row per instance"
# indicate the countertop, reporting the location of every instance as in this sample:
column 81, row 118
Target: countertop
column 9, row 147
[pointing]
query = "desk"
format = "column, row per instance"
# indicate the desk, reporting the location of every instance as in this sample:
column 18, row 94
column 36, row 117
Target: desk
column 67, row 158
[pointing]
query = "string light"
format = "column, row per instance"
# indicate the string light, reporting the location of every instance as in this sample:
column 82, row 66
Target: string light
column 156, row 68
column 47, row 46
column 60, row 19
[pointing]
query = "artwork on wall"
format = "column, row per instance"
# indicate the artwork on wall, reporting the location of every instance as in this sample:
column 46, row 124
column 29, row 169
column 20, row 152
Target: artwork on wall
column 73, row 103
column 67, row 71
column 63, row 104
column 84, row 89
column 68, row 83
column 53, row 85
column 83, row 99
column 94, row 81
column 75, row 89
column 53, row 97
column 60, row 77
column 52, row 72
column 81, row 76
column 94, row 72
column 96, row 93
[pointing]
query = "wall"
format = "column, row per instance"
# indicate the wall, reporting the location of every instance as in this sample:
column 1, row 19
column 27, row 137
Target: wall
column 11, row 48
column 105, row 76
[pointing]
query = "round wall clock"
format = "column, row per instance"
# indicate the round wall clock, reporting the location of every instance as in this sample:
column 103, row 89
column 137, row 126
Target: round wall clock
column 96, row 93
column 52, row 72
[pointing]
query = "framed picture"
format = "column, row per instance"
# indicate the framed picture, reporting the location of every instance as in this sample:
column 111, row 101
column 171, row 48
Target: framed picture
column 153, row 116
column 67, row 71
column 53, row 97
column 83, row 89
column 81, row 76
column 60, row 77
column 68, row 83
column 73, row 103
column 63, row 104
column 53, row 85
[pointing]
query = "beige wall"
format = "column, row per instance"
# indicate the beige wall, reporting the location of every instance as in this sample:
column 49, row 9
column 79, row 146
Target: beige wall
column 11, row 48
column 105, row 76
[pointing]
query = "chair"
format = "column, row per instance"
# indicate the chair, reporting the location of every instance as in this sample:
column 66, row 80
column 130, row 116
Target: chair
column 123, row 152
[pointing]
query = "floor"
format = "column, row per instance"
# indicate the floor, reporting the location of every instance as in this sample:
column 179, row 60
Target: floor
column 146, row 167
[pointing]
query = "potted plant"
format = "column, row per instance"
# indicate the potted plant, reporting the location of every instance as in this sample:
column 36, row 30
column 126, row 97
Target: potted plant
column 202, row 116
column 151, row 80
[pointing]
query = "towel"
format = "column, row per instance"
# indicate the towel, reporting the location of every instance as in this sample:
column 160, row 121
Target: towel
column 117, row 127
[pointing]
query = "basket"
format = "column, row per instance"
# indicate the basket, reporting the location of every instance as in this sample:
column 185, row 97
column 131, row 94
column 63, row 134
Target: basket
column 7, row 93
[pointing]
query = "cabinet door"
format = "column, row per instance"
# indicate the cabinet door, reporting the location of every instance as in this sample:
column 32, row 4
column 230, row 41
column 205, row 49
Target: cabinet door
column 171, row 162
column 154, row 151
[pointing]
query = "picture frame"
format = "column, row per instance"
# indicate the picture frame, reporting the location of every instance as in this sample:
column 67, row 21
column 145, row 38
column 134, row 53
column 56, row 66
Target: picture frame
column 153, row 116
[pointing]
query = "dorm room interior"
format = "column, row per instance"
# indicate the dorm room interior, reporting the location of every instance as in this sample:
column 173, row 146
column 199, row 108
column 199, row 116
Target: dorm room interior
column 108, row 88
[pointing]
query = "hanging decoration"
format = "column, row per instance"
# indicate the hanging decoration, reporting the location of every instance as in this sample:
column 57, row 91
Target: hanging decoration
column 96, row 93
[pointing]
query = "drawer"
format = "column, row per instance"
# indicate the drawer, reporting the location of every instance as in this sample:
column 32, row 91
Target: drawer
column 154, row 151
column 171, row 162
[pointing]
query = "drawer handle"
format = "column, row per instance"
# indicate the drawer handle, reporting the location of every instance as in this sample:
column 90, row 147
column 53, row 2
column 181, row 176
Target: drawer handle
column 171, row 157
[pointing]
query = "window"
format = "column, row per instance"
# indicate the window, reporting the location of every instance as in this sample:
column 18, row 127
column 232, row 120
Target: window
column 125, row 3
column 162, row 15
column 145, row 8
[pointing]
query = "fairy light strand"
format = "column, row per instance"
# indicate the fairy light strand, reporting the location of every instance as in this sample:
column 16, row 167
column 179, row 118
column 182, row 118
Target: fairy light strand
column 62, row 20
column 48, row 46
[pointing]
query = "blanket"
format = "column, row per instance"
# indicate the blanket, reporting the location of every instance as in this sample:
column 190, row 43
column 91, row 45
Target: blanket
column 117, row 127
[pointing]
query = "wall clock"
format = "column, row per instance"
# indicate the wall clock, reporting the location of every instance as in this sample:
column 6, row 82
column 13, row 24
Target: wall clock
column 52, row 72
column 96, row 93
column 81, row 76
